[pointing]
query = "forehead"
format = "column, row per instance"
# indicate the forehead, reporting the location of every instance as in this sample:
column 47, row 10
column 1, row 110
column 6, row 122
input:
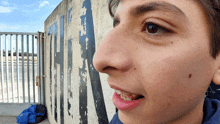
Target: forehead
column 155, row 5
column 140, row 7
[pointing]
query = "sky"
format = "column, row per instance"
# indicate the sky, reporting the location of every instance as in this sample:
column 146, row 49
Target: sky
column 24, row 16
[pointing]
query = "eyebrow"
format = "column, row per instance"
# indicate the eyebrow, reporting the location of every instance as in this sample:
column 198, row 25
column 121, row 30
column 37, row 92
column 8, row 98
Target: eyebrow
column 163, row 6
column 152, row 6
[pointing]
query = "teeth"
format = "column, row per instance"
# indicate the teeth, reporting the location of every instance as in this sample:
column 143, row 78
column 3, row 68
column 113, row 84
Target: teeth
column 126, row 96
column 118, row 92
column 121, row 96
column 128, row 99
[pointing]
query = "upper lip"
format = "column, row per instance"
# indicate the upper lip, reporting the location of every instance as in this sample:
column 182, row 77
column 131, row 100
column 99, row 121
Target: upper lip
column 117, row 88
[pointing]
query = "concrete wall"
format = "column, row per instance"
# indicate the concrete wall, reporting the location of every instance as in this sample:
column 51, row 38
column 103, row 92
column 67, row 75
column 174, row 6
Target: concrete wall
column 75, row 91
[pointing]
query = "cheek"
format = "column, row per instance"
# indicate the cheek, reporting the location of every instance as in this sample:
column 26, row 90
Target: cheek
column 162, row 76
column 174, row 81
column 176, row 74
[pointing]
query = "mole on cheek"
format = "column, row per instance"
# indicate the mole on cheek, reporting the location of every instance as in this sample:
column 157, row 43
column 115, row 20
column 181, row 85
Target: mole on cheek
column 190, row 75
column 134, row 68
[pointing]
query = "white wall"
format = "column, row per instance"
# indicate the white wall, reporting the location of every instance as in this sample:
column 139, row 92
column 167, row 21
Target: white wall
column 67, row 67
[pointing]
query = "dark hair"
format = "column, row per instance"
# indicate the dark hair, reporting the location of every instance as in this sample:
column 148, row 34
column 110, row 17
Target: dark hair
column 112, row 5
column 212, row 11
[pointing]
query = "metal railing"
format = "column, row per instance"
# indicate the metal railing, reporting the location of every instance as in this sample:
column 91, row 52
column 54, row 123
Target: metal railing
column 15, row 66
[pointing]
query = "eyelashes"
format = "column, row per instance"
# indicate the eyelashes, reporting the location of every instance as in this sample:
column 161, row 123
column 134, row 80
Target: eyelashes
column 150, row 28
column 155, row 29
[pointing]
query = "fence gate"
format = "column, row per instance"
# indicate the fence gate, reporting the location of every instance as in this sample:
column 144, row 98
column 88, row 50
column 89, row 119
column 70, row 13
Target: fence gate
column 21, row 71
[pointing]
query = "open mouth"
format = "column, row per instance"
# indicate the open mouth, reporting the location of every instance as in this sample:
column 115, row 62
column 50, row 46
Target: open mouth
column 128, row 96
column 140, row 97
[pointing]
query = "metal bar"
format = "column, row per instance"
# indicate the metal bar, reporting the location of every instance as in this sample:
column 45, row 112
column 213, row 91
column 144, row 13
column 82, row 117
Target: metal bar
column 28, row 77
column 41, row 69
column 18, row 82
column 33, row 68
column 12, row 69
column 22, row 40
column 38, row 62
column 7, row 78
column 10, row 80
column 19, row 33
column 41, row 101
column 2, row 69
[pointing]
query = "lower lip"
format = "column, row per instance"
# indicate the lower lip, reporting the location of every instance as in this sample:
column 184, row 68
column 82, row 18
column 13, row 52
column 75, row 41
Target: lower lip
column 125, row 105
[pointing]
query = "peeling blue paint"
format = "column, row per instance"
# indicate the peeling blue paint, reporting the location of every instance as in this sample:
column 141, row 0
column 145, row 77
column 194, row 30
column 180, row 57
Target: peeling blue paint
column 83, row 82
column 53, row 29
column 49, row 30
column 70, row 93
column 51, row 83
column 82, row 73
column 55, row 76
column 70, row 15
column 88, row 41
column 61, row 62
column 58, row 59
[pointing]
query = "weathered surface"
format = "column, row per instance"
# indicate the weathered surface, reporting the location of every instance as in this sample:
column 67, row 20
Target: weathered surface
column 75, row 91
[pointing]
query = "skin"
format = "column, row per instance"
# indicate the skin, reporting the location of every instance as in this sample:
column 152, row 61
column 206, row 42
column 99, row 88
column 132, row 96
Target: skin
column 171, row 68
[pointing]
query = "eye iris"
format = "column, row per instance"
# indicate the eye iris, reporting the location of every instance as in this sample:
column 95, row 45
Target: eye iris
column 152, row 28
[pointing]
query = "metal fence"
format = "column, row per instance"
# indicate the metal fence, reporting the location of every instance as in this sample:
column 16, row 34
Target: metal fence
column 20, row 64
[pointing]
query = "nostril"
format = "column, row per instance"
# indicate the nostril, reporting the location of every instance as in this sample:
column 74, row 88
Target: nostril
column 108, row 67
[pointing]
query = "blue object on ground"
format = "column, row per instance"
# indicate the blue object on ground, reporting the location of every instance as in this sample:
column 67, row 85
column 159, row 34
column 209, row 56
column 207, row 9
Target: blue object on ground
column 34, row 114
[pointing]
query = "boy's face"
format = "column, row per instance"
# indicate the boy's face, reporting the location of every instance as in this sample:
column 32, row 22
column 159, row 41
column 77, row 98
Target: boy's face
column 159, row 49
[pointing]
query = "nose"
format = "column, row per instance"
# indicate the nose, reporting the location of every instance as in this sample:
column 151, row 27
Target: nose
column 113, row 54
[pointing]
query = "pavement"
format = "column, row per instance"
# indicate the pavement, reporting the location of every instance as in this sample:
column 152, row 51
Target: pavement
column 13, row 119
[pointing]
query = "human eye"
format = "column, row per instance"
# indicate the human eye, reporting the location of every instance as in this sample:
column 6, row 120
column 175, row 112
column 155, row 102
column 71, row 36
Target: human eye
column 155, row 29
